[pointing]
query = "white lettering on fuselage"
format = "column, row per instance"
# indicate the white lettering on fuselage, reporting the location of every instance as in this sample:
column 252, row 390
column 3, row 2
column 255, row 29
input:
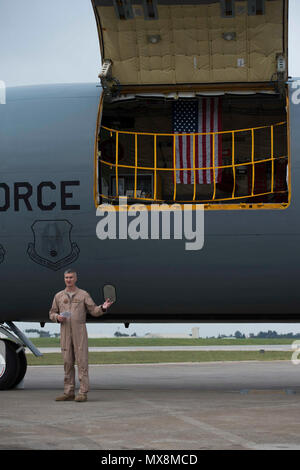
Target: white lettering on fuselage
column 136, row 222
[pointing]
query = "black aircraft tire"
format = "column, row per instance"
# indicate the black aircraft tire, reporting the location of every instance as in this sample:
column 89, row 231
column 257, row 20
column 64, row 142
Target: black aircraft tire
column 9, row 371
column 22, row 362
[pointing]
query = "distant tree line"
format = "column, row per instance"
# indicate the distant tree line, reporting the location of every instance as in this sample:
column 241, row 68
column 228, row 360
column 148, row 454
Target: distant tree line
column 42, row 333
column 238, row 334
column 47, row 334
column 262, row 334
column 117, row 334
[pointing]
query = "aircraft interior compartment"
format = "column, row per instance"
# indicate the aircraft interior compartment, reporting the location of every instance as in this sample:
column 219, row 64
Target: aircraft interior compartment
column 217, row 149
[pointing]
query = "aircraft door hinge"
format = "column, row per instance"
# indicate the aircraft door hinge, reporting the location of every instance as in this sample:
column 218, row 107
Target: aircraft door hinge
column 110, row 85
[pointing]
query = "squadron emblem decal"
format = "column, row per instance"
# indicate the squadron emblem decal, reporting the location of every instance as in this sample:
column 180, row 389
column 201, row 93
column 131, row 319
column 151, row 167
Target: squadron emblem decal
column 52, row 246
column 2, row 254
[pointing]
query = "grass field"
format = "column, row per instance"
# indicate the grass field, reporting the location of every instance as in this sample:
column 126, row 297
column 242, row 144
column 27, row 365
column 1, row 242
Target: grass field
column 132, row 341
column 144, row 357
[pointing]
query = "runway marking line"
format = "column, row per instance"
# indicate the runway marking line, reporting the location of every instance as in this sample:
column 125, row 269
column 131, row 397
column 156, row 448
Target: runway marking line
column 206, row 363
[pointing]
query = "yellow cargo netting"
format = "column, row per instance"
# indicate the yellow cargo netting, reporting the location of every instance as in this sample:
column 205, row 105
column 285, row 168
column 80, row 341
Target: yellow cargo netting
column 174, row 169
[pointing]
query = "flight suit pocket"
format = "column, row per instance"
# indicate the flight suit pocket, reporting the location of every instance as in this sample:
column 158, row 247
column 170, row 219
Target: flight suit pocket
column 64, row 305
column 79, row 311
column 63, row 341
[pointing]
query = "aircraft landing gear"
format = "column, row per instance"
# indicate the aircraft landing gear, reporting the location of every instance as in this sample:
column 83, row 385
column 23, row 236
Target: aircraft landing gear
column 13, row 362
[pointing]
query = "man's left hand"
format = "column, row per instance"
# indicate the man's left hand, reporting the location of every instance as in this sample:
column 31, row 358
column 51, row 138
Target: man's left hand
column 107, row 304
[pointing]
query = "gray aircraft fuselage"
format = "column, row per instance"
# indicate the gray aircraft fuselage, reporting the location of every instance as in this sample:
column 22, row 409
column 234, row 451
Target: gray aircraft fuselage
column 247, row 270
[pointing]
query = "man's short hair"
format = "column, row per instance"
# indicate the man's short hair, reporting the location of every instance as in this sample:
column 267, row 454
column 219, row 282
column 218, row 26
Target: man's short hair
column 70, row 271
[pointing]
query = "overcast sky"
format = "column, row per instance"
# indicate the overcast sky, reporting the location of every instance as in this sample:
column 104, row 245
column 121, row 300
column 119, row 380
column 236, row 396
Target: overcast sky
column 56, row 41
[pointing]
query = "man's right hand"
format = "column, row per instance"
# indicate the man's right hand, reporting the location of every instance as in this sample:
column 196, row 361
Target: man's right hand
column 61, row 319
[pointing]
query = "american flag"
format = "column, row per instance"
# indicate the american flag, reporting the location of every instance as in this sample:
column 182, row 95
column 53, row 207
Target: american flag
column 202, row 115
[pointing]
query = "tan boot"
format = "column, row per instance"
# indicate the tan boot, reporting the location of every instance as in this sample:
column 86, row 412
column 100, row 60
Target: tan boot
column 65, row 397
column 81, row 397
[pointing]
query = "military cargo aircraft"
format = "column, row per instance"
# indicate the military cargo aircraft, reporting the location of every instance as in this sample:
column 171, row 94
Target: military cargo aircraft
column 193, row 110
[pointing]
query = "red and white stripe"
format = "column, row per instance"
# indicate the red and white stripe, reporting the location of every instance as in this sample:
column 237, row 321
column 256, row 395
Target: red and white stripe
column 209, row 120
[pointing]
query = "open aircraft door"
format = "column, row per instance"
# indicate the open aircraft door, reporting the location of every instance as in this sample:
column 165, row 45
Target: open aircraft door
column 196, row 50
column 172, row 42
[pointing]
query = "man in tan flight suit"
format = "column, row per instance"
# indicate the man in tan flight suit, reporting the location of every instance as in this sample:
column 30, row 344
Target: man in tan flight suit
column 73, row 338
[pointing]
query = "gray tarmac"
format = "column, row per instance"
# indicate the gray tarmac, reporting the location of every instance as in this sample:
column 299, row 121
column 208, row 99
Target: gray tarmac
column 229, row 405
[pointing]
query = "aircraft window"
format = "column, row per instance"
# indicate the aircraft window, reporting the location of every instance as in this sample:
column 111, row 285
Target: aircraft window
column 227, row 8
column 237, row 156
column 256, row 7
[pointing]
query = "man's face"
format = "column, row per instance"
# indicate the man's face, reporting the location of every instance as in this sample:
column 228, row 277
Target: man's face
column 70, row 279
